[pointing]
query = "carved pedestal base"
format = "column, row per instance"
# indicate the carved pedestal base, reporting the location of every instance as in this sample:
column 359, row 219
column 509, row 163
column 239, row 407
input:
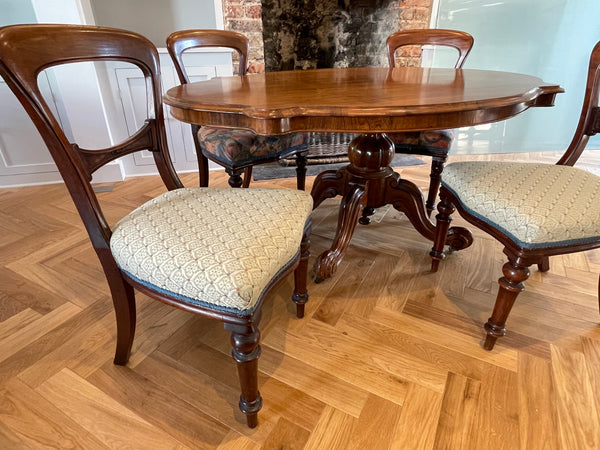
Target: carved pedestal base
column 369, row 182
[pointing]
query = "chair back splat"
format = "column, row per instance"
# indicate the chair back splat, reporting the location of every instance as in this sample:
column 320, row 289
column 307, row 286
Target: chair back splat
column 535, row 210
column 166, row 247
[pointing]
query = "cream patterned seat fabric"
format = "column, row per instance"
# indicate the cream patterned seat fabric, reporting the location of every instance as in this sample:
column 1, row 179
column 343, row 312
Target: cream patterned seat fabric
column 536, row 205
column 212, row 246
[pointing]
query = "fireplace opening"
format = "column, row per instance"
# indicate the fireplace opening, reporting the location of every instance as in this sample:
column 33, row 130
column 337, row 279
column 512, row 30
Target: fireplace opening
column 327, row 33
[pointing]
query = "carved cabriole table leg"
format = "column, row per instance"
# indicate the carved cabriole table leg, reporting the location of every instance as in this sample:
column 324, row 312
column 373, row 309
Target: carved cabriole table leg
column 351, row 207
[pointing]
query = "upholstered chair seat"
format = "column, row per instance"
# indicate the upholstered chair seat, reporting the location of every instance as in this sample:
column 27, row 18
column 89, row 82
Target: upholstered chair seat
column 217, row 247
column 536, row 205
column 238, row 149
column 423, row 142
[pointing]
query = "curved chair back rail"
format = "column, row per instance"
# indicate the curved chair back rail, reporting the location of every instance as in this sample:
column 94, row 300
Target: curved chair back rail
column 280, row 219
column 181, row 41
column 461, row 41
column 535, row 210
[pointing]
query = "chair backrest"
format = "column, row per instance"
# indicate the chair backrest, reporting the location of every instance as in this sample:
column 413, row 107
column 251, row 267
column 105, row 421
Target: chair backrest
column 589, row 121
column 181, row 41
column 461, row 41
column 27, row 50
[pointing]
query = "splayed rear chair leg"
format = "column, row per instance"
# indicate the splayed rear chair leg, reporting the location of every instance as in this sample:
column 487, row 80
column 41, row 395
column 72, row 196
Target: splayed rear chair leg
column 300, row 295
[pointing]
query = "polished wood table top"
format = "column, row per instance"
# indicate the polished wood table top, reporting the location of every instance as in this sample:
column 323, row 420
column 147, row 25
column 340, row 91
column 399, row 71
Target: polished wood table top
column 370, row 101
column 358, row 99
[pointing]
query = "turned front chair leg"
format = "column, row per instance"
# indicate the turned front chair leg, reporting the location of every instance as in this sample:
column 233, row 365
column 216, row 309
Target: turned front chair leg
column 235, row 177
column 443, row 220
column 511, row 284
column 300, row 295
column 246, row 350
column 435, row 178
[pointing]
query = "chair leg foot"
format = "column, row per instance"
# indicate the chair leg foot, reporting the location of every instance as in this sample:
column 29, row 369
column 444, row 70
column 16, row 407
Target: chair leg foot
column 252, row 420
column 510, row 285
column 365, row 220
column 246, row 350
column 490, row 341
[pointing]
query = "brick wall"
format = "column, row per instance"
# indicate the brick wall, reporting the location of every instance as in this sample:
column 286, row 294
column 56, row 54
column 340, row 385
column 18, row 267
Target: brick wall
column 245, row 16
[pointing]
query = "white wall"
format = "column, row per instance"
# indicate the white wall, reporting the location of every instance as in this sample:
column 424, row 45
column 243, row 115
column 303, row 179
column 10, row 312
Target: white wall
column 155, row 19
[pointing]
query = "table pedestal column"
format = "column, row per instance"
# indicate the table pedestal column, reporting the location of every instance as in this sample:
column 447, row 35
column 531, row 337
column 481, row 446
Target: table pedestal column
column 369, row 182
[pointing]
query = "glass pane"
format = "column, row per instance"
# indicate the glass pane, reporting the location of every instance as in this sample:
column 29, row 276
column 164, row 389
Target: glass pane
column 550, row 39
column 16, row 11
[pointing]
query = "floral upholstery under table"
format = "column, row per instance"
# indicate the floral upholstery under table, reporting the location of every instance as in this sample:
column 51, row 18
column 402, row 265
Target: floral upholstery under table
column 235, row 148
column 436, row 141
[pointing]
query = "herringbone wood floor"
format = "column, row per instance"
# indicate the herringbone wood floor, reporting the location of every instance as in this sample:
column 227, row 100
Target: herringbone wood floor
column 387, row 357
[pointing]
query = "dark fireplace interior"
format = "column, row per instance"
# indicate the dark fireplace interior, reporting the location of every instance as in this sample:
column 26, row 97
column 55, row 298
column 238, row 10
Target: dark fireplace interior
column 314, row 34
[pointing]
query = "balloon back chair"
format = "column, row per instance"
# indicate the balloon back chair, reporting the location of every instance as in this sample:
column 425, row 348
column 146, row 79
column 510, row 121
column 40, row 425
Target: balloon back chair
column 216, row 252
column 236, row 150
column 434, row 143
column 534, row 210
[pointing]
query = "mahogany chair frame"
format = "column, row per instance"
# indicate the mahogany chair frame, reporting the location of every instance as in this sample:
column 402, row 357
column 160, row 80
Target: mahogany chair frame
column 184, row 40
column 27, row 50
column 516, row 270
column 463, row 43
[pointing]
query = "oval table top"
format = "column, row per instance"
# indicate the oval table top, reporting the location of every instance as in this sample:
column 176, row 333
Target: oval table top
column 358, row 99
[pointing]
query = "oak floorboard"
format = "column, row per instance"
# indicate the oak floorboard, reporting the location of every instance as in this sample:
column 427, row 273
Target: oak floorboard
column 155, row 405
column 578, row 416
column 387, row 356
column 457, row 423
column 376, row 425
column 333, row 431
column 101, row 416
column 37, row 422
column 498, row 410
column 537, row 404
column 418, row 420
column 286, row 435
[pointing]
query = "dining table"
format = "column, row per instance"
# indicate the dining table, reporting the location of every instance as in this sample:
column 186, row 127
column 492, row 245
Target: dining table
column 369, row 102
